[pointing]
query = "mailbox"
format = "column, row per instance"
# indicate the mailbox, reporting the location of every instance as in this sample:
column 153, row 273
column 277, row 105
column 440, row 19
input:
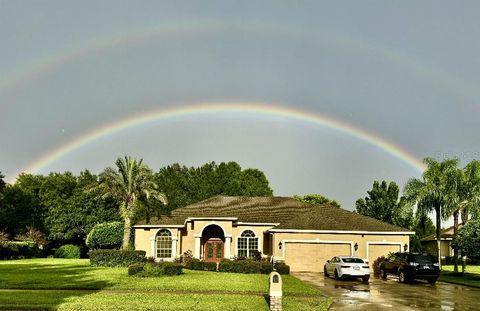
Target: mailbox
column 276, row 291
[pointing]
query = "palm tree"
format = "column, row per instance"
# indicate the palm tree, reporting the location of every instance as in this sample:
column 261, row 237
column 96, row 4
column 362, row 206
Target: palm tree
column 131, row 181
column 468, row 199
column 434, row 192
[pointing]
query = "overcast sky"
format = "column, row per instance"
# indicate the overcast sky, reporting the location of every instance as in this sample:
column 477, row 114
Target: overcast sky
column 406, row 71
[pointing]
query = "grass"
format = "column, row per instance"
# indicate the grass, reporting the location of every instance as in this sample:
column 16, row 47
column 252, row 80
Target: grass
column 470, row 278
column 71, row 284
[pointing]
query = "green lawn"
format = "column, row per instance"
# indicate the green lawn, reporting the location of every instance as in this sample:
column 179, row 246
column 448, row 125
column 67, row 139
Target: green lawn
column 67, row 284
column 470, row 278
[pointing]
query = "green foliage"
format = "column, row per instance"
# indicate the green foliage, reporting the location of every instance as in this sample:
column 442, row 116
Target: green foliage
column 376, row 265
column 3, row 237
column 136, row 269
column 282, row 268
column 116, row 258
column 34, row 235
column 239, row 266
column 382, row 203
column 162, row 268
column 105, row 235
column 19, row 250
column 184, row 186
column 196, row 264
column 467, row 241
column 316, row 199
column 130, row 182
column 68, row 251
column 266, row 268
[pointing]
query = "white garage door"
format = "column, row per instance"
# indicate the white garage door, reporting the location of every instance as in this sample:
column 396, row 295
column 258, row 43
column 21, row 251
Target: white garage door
column 312, row 256
column 377, row 250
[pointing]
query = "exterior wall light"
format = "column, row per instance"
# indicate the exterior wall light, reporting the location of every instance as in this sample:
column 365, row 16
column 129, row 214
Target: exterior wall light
column 355, row 246
column 405, row 247
column 280, row 245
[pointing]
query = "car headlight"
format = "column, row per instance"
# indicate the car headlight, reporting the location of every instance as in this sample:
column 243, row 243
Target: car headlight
column 414, row 264
column 436, row 264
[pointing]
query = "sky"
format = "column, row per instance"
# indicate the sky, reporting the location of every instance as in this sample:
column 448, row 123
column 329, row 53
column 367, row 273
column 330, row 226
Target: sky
column 324, row 97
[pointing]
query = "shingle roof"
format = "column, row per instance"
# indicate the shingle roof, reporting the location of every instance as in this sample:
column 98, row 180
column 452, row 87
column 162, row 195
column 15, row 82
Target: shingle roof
column 446, row 234
column 288, row 212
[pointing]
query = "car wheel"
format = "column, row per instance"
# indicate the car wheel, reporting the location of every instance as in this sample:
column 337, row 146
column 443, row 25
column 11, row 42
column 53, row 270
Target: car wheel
column 365, row 278
column 401, row 276
column 432, row 281
column 335, row 274
column 325, row 272
column 383, row 274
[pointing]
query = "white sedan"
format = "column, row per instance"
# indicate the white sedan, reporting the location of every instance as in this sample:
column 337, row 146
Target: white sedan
column 341, row 267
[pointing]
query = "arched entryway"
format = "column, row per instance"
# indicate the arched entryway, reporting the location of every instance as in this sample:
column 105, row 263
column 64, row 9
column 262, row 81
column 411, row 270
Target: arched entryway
column 213, row 242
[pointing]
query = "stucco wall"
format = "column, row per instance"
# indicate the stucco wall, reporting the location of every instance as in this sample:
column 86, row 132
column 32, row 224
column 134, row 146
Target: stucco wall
column 144, row 237
column 431, row 248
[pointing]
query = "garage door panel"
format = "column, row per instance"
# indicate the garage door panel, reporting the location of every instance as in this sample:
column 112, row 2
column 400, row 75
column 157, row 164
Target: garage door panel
column 378, row 250
column 312, row 256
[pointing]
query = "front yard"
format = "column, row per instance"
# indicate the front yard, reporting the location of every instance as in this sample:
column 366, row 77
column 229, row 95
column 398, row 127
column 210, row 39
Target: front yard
column 69, row 284
column 470, row 278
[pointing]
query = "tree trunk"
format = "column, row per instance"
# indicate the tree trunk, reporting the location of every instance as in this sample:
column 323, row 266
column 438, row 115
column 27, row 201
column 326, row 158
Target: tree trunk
column 438, row 234
column 126, row 233
column 455, row 250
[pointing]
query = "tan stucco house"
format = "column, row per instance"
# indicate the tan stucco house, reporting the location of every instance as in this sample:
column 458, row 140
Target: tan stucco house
column 429, row 243
column 301, row 235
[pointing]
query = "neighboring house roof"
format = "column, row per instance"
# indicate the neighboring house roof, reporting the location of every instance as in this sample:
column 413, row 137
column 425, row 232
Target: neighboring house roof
column 287, row 212
column 446, row 234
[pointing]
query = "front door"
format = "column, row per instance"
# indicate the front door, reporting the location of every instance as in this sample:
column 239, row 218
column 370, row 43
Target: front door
column 213, row 250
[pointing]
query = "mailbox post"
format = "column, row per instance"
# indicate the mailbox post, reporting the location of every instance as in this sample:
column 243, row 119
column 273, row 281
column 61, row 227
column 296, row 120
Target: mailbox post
column 276, row 291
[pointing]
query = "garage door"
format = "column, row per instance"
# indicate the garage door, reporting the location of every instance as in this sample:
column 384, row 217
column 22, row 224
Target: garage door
column 312, row 256
column 377, row 250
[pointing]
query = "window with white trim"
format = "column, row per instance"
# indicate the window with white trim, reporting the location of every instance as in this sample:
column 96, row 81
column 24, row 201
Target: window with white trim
column 164, row 244
column 247, row 244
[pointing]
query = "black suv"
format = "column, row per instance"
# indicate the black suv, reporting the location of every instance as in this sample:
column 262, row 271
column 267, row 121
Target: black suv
column 409, row 266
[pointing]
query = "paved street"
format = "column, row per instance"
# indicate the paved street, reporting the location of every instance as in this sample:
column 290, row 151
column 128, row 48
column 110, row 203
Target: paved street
column 391, row 295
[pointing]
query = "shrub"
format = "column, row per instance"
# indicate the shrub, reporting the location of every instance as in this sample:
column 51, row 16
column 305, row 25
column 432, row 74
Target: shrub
column 186, row 258
column 19, row 250
column 34, row 235
column 282, row 268
column 196, row 264
column 257, row 256
column 266, row 268
column 135, row 269
column 239, row 266
column 68, row 251
column 116, row 258
column 3, row 237
column 376, row 265
column 107, row 235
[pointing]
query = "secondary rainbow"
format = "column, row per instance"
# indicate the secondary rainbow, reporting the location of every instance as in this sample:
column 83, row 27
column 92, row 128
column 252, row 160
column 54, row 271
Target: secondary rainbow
column 266, row 109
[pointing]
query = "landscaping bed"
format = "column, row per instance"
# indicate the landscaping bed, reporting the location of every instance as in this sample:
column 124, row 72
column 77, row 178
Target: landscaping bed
column 72, row 284
column 471, row 277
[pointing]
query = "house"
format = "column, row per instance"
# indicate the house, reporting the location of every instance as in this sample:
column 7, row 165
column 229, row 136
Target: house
column 301, row 235
column 429, row 243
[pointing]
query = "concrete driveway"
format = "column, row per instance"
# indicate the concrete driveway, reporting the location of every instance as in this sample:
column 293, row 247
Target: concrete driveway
column 389, row 294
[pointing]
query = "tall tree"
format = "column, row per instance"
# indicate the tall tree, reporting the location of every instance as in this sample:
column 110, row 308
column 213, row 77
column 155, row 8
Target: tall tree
column 2, row 182
column 316, row 199
column 383, row 203
column 467, row 199
column 435, row 192
column 131, row 181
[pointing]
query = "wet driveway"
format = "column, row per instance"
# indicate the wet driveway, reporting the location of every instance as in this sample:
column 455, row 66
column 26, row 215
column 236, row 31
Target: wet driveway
column 389, row 294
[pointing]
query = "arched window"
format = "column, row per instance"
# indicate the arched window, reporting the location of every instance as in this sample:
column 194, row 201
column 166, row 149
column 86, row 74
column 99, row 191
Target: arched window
column 164, row 244
column 247, row 244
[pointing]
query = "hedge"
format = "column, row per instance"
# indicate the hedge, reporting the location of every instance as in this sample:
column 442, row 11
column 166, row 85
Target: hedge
column 116, row 258
column 19, row 250
column 154, row 269
column 282, row 268
column 68, row 251
column 196, row 264
column 240, row 266
column 106, row 235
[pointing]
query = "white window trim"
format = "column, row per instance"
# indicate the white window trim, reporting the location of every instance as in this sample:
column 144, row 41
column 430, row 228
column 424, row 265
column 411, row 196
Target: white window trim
column 283, row 243
column 259, row 241
column 382, row 243
column 153, row 245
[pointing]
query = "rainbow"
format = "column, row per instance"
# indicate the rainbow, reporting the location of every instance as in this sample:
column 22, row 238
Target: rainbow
column 265, row 109
column 17, row 78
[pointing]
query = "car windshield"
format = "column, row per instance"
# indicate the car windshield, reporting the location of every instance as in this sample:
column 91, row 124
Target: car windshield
column 423, row 259
column 352, row 260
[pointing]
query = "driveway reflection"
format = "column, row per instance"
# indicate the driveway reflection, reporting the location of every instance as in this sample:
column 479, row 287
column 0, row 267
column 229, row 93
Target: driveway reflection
column 389, row 294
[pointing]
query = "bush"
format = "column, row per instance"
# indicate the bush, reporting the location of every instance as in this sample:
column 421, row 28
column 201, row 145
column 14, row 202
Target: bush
column 266, row 268
column 116, row 258
column 282, row 268
column 68, row 251
column 135, row 269
column 107, row 235
column 240, row 266
column 19, row 250
column 196, row 264
column 376, row 265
